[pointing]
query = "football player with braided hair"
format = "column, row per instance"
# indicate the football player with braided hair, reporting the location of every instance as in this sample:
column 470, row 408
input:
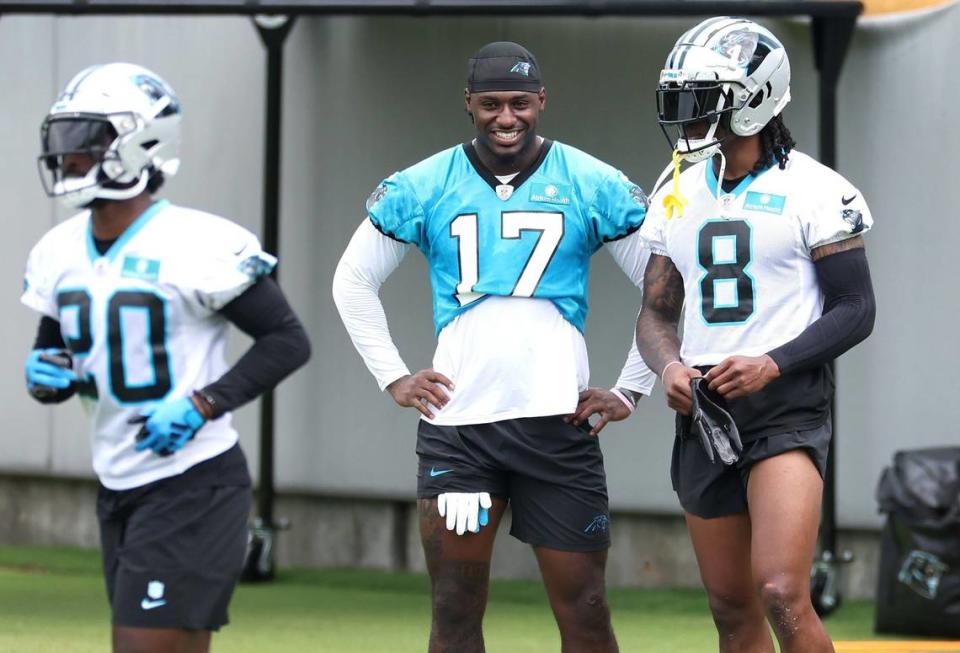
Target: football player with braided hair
column 135, row 297
column 762, row 248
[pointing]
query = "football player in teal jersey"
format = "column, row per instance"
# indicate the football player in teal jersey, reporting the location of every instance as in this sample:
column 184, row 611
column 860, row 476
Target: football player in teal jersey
column 508, row 223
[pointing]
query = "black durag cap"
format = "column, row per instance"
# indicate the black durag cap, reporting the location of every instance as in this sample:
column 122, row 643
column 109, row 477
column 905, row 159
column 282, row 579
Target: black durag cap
column 503, row 66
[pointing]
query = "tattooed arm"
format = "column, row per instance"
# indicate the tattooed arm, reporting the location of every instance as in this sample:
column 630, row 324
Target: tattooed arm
column 835, row 248
column 657, row 337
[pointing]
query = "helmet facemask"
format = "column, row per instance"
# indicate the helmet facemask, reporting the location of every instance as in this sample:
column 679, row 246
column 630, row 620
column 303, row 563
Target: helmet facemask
column 690, row 113
column 70, row 143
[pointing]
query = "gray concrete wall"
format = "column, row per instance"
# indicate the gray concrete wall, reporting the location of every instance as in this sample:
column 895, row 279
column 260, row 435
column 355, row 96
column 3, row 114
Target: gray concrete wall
column 366, row 96
column 647, row 551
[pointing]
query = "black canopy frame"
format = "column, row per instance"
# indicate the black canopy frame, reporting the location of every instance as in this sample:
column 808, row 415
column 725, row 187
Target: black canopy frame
column 833, row 24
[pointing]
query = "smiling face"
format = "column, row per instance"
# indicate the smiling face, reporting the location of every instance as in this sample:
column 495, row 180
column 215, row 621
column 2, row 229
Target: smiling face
column 506, row 124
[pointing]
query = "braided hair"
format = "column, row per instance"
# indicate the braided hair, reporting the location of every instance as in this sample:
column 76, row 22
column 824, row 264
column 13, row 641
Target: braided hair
column 776, row 142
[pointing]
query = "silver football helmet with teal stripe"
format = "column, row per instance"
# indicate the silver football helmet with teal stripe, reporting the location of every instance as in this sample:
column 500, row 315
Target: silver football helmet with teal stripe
column 729, row 69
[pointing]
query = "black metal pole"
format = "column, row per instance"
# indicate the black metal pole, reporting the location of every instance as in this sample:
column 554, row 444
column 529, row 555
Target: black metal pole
column 273, row 31
column 827, row 142
column 831, row 39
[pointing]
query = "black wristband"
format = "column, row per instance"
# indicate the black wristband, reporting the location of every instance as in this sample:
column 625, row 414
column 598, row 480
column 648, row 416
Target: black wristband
column 208, row 405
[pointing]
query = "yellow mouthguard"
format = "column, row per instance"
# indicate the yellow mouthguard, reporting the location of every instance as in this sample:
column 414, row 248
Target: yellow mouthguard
column 675, row 201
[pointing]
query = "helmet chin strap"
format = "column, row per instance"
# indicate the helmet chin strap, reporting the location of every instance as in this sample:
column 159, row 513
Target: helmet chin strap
column 106, row 193
column 723, row 168
column 700, row 149
column 89, row 188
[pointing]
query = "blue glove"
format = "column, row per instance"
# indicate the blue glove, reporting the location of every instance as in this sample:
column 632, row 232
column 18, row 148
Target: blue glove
column 48, row 372
column 167, row 426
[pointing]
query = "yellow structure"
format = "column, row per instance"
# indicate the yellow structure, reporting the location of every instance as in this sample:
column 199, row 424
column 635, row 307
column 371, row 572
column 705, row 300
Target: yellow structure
column 875, row 7
column 897, row 647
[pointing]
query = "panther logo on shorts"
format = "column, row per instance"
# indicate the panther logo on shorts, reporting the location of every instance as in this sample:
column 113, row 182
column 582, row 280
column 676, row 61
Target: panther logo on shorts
column 599, row 525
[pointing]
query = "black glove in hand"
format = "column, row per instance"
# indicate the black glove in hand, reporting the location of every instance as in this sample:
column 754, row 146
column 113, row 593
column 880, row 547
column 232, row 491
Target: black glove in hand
column 713, row 424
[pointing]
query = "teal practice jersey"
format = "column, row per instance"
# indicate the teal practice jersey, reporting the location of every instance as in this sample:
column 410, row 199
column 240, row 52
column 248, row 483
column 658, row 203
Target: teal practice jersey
column 532, row 237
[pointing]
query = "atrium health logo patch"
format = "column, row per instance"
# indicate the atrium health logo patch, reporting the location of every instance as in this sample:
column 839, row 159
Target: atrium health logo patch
column 765, row 202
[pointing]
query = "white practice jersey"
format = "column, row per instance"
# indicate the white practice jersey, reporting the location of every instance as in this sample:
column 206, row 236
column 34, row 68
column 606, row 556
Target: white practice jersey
column 749, row 280
column 142, row 322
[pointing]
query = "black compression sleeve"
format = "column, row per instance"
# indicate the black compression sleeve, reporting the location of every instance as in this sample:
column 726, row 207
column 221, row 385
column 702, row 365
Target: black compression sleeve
column 280, row 346
column 49, row 337
column 849, row 309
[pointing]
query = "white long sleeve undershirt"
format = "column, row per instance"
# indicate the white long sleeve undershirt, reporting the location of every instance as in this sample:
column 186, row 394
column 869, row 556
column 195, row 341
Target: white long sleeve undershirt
column 369, row 260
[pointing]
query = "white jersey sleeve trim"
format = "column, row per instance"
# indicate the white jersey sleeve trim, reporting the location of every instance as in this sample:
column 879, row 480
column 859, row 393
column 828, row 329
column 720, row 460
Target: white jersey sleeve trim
column 367, row 262
column 635, row 374
column 631, row 254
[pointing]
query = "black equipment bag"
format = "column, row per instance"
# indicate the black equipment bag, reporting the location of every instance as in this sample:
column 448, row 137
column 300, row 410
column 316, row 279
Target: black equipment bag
column 918, row 589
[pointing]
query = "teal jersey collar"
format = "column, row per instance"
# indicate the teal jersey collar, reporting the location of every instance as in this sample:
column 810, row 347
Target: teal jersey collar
column 128, row 233
column 736, row 192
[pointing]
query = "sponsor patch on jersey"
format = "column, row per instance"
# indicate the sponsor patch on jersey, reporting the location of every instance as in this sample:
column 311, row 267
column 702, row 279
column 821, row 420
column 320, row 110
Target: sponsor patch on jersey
column 140, row 268
column 550, row 193
column 764, row 202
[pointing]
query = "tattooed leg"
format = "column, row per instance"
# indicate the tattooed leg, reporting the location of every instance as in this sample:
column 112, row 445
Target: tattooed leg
column 459, row 567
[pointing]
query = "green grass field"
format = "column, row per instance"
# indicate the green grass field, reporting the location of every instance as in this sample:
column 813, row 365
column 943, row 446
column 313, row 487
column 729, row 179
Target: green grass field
column 52, row 600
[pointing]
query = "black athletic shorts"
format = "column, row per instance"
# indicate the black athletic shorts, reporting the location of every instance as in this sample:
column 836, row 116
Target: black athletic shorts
column 550, row 471
column 173, row 549
column 710, row 490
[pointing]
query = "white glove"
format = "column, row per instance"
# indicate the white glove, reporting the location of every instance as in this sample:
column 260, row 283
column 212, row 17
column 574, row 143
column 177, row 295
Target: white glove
column 465, row 511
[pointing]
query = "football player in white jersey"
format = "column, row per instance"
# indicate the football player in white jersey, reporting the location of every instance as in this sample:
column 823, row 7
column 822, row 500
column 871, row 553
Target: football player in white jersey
column 508, row 223
column 135, row 297
column 762, row 248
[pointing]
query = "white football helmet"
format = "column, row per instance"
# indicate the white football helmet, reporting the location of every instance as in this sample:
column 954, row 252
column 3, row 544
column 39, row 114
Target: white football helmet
column 729, row 68
column 122, row 118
